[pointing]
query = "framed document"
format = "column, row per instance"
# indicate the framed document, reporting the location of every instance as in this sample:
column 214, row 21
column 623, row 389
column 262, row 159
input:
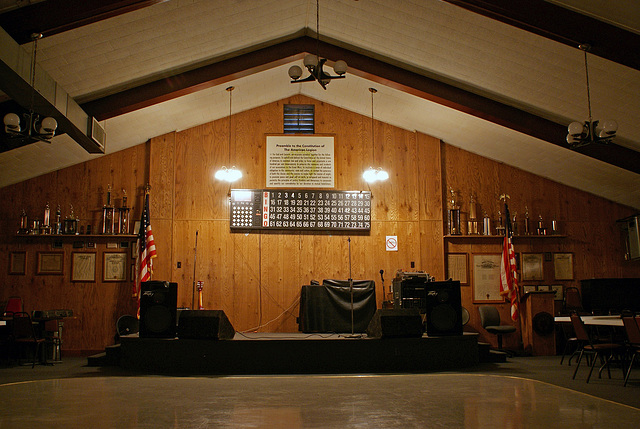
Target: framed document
column 563, row 266
column 528, row 288
column 114, row 266
column 486, row 278
column 532, row 266
column 50, row 263
column 83, row 267
column 558, row 290
column 17, row 262
column 458, row 268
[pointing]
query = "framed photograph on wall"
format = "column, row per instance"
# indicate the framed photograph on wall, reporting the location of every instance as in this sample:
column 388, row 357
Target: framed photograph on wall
column 486, row 277
column 83, row 267
column 17, row 263
column 532, row 268
column 528, row 289
column 114, row 266
column 559, row 293
column 563, row 266
column 458, row 267
column 50, row 263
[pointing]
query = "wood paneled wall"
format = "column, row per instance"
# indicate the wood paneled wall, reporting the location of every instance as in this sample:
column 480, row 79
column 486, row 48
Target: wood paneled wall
column 256, row 277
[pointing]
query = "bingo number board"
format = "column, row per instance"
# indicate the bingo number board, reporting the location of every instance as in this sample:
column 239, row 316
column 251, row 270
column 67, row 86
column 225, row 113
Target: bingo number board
column 307, row 209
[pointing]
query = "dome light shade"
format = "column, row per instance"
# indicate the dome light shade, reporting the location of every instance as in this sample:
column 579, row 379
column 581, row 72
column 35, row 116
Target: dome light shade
column 12, row 123
column 295, row 72
column 340, row 67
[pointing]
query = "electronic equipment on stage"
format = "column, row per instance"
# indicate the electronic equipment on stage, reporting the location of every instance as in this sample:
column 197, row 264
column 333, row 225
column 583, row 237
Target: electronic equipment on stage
column 409, row 289
column 308, row 209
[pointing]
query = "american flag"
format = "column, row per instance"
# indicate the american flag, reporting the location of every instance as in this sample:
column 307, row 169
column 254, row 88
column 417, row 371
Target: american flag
column 146, row 251
column 508, row 274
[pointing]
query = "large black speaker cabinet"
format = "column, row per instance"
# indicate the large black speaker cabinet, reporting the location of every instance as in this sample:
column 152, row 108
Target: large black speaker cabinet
column 158, row 304
column 444, row 310
column 205, row 324
column 396, row 323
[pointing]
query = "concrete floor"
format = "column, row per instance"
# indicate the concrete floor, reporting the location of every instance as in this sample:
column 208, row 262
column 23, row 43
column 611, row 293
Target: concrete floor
column 507, row 395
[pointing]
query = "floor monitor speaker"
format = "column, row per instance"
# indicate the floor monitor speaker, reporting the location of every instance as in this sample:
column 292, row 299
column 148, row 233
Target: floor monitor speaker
column 396, row 323
column 205, row 324
column 444, row 309
column 158, row 304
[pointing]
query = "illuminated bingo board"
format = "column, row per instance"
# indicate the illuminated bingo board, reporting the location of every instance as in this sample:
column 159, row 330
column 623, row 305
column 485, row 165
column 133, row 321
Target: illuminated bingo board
column 300, row 209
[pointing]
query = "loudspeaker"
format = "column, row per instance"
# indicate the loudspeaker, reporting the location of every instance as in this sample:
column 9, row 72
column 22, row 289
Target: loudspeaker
column 205, row 324
column 158, row 303
column 396, row 323
column 444, row 310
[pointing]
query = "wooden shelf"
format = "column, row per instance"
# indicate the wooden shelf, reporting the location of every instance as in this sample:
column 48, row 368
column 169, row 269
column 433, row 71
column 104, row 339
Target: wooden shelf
column 500, row 237
column 96, row 237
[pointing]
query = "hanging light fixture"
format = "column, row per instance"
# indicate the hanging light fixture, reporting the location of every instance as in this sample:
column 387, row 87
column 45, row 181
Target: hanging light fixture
column 229, row 174
column 315, row 64
column 35, row 129
column 374, row 174
column 582, row 134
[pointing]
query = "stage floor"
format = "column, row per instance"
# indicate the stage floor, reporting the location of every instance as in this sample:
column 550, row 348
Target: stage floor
column 298, row 353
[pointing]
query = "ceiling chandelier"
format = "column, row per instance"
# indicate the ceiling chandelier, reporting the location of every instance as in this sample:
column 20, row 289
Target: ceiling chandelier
column 584, row 133
column 229, row 174
column 374, row 174
column 35, row 129
column 315, row 64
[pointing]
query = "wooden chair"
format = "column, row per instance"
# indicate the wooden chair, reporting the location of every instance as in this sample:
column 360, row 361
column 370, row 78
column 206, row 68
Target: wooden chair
column 586, row 345
column 632, row 328
column 23, row 334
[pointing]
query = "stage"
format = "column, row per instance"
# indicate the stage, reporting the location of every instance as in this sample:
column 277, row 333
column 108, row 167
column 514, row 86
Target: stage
column 297, row 353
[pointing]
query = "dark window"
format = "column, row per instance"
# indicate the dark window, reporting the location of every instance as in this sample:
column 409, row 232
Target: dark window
column 299, row 118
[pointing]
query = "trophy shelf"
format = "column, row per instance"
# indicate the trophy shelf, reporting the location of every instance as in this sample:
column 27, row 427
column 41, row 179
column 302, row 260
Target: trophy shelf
column 75, row 237
column 481, row 237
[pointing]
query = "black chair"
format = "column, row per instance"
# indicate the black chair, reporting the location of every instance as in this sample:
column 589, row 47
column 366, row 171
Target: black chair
column 127, row 325
column 490, row 321
column 632, row 328
column 587, row 345
column 23, row 334
column 572, row 301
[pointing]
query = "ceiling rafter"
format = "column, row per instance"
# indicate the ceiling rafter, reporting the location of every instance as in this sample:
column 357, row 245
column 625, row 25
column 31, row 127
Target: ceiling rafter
column 56, row 16
column 362, row 65
column 562, row 25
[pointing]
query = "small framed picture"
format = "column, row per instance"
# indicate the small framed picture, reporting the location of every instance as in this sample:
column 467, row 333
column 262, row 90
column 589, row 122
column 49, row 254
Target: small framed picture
column 532, row 266
column 111, row 245
column 528, row 289
column 50, row 263
column 458, row 267
column 134, row 250
column 17, row 263
column 114, row 266
column 136, row 227
column 83, row 267
column 559, row 293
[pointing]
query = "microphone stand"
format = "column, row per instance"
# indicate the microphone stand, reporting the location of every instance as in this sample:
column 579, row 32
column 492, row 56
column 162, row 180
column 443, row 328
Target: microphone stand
column 353, row 335
column 195, row 255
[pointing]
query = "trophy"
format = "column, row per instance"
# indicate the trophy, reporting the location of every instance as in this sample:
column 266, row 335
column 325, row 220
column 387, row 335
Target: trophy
column 46, row 225
column 24, row 223
column 486, row 224
column 454, row 214
column 57, row 229
column 123, row 215
column 472, row 224
column 108, row 215
column 71, row 223
column 527, row 226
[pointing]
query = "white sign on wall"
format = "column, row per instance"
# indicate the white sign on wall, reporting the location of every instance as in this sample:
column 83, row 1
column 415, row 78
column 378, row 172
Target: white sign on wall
column 391, row 243
column 300, row 161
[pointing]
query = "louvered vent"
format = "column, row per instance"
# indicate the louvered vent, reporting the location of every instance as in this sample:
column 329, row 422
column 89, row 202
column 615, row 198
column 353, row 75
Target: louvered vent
column 299, row 118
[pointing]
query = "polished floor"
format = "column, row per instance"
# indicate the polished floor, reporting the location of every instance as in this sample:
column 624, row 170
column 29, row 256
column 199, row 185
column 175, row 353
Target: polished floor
column 506, row 395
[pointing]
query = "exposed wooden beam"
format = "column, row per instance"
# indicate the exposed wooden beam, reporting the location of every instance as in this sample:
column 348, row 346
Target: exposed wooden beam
column 562, row 25
column 361, row 64
column 56, row 16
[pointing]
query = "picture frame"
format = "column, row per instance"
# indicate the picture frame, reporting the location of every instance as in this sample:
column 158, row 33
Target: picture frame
column 532, row 266
column 134, row 250
column 458, row 267
column 83, row 267
column 17, row 263
column 563, row 266
column 486, row 277
column 559, row 291
column 114, row 266
column 50, row 263
column 136, row 227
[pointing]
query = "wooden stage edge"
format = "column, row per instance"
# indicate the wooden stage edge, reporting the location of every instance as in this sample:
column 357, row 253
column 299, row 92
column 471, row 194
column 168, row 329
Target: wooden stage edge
column 298, row 353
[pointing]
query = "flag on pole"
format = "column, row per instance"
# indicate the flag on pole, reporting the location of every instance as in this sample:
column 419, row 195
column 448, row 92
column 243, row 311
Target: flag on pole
column 508, row 274
column 146, row 248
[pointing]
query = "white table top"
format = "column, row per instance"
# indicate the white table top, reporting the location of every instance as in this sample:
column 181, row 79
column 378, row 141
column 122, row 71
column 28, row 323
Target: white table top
column 594, row 320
